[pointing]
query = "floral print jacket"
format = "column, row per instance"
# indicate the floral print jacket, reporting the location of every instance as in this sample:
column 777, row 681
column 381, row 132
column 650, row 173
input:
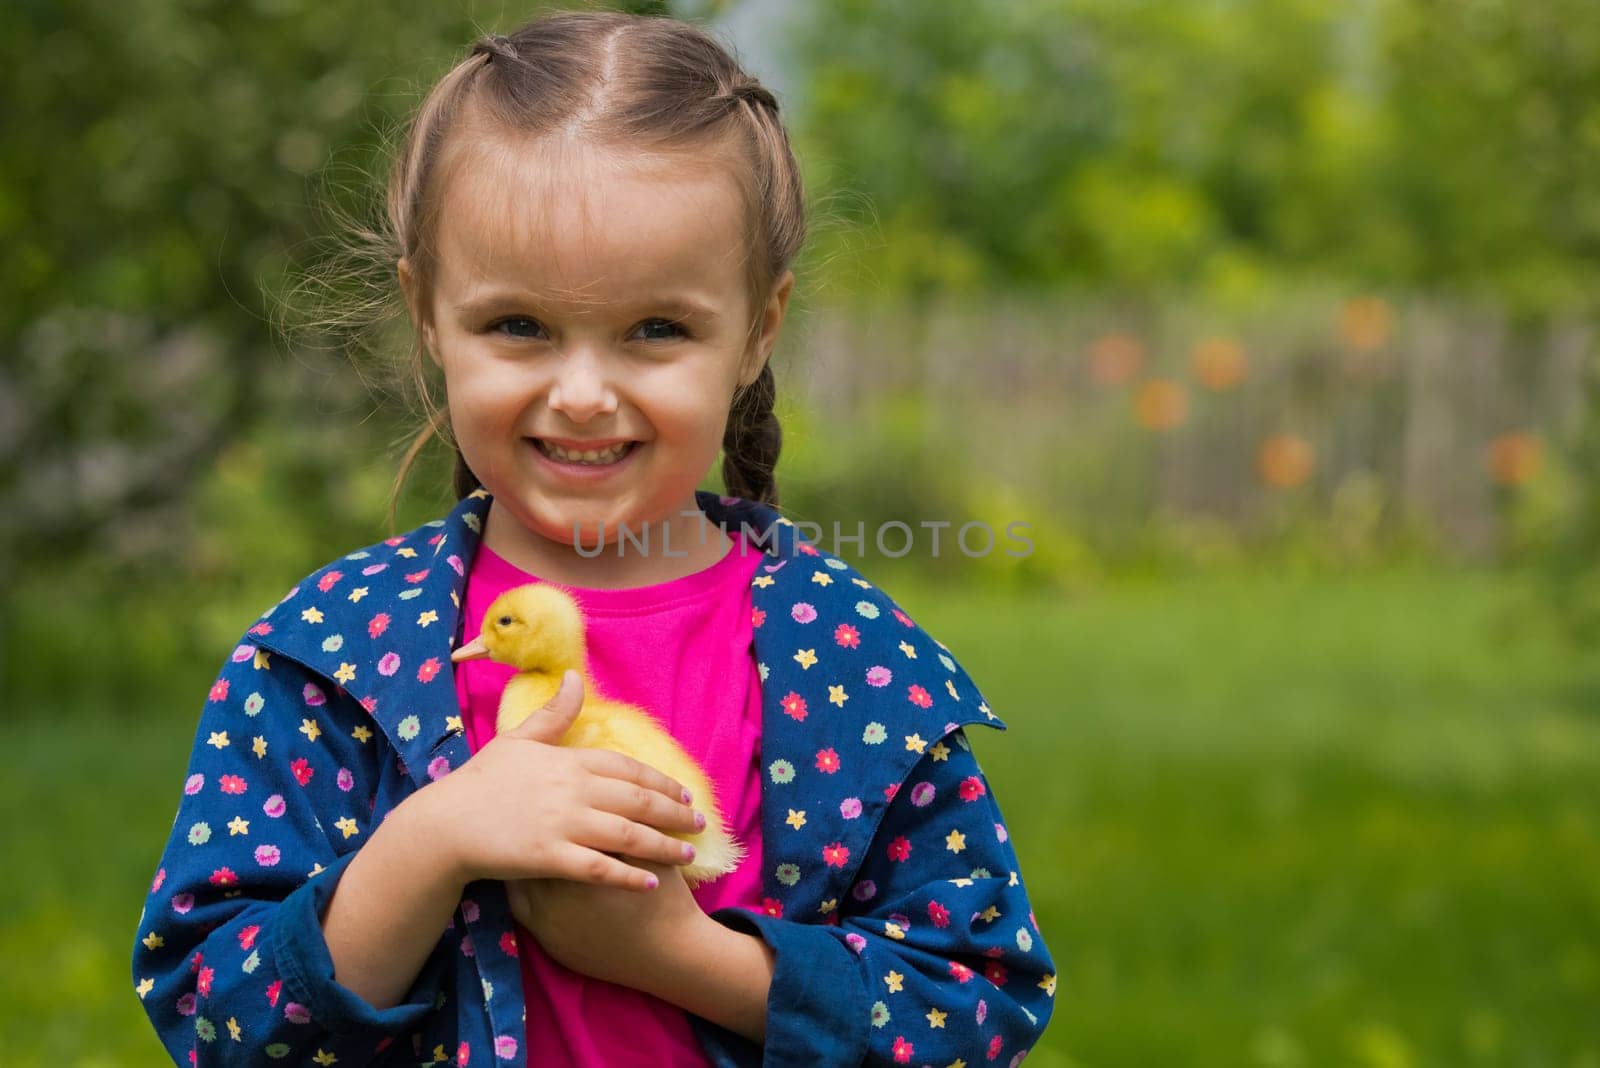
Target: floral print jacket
column 893, row 901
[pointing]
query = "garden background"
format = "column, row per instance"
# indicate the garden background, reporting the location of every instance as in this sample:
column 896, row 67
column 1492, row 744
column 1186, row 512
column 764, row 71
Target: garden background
column 1275, row 320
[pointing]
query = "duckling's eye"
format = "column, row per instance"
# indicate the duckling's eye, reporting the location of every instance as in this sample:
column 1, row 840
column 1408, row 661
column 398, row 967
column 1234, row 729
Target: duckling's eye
column 504, row 621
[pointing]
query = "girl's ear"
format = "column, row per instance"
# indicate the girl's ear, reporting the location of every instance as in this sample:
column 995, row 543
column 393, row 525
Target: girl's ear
column 771, row 323
column 408, row 286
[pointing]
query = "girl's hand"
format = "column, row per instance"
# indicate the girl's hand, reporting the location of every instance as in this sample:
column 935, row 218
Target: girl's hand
column 635, row 940
column 524, row 807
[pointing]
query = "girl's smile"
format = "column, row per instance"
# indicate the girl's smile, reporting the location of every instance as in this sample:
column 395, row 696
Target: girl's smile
column 583, row 460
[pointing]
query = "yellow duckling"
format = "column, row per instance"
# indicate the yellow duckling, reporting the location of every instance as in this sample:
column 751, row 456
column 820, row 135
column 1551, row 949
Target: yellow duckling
column 538, row 629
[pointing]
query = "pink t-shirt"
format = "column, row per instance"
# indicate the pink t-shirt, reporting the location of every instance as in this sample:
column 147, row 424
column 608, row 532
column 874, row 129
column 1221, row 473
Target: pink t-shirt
column 682, row 650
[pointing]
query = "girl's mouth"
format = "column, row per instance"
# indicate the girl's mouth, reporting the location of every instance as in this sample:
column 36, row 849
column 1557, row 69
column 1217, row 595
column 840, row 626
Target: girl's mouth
column 597, row 458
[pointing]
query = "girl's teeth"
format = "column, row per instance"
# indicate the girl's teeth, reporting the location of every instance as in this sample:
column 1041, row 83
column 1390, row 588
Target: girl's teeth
column 588, row 456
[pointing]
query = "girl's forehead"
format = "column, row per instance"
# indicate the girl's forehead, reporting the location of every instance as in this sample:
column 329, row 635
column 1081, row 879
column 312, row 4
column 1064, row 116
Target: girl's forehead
column 582, row 224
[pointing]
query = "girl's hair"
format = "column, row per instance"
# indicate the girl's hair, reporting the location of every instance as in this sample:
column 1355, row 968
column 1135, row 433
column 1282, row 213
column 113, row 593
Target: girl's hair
column 634, row 83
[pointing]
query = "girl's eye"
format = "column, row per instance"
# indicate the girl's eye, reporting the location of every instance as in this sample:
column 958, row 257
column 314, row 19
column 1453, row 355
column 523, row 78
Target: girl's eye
column 676, row 329
column 517, row 326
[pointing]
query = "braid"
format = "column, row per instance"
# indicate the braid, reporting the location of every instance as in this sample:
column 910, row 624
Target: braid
column 751, row 444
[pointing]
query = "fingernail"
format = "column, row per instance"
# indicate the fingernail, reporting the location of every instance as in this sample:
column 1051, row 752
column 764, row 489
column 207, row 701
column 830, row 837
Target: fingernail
column 687, row 796
column 699, row 819
column 651, row 882
column 688, row 851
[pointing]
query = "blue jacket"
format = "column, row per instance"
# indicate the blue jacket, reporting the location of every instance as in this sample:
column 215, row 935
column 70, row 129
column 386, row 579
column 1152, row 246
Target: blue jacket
column 893, row 900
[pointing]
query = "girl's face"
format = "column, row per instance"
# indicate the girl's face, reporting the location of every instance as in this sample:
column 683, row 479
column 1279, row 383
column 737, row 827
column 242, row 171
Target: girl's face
column 585, row 301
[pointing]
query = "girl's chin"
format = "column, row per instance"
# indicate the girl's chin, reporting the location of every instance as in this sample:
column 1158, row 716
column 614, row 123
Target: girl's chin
column 579, row 522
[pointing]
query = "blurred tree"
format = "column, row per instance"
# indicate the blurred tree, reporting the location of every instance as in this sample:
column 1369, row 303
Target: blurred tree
column 150, row 206
column 1138, row 145
column 153, row 206
column 1494, row 145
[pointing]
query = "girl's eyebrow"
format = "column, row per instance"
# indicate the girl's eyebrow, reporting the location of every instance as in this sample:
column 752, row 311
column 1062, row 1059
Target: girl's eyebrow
column 677, row 307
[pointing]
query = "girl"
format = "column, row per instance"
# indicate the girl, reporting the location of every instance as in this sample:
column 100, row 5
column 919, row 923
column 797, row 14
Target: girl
column 593, row 223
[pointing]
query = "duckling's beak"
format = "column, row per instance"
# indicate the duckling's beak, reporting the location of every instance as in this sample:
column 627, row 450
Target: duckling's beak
column 476, row 649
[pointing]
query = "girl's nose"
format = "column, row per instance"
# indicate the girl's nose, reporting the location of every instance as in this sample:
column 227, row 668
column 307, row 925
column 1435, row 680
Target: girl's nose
column 581, row 389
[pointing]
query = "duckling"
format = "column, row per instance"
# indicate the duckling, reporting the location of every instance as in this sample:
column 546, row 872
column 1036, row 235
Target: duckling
column 539, row 629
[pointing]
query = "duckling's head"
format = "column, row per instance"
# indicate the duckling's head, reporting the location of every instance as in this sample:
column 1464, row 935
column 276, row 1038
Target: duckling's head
column 537, row 627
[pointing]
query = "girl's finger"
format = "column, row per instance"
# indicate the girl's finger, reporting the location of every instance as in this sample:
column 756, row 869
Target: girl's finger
column 617, row 835
column 633, row 802
column 584, row 865
column 615, row 765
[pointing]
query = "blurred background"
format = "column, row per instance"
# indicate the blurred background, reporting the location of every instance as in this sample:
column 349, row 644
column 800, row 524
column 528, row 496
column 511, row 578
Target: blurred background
column 1275, row 319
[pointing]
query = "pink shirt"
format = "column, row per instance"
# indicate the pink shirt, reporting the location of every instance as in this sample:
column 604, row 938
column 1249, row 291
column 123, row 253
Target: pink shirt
column 682, row 650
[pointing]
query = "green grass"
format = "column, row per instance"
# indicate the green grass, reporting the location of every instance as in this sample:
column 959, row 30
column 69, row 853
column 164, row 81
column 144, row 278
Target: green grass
column 1278, row 822
column 1263, row 821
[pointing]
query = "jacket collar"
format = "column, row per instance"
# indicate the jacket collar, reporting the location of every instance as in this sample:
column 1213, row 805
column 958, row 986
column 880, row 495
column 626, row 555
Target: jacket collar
column 353, row 622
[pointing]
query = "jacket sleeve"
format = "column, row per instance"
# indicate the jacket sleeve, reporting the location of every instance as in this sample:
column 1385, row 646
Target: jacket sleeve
column 935, row 954
column 230, row 962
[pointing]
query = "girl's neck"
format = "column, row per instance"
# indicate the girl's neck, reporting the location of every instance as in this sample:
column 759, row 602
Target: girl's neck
column 692, row 543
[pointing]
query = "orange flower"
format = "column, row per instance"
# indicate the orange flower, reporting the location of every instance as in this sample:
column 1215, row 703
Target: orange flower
column 1218, row 363
column 1115, row 359
column 1285, row 461
column 1364, row 324
column 1160, row 404
column 1513, row 458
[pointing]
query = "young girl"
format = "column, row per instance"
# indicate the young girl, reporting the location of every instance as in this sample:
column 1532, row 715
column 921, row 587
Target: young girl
column 594, row 220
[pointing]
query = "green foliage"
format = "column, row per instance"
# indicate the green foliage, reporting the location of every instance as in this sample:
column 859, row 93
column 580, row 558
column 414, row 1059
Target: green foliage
column 1134, row 145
